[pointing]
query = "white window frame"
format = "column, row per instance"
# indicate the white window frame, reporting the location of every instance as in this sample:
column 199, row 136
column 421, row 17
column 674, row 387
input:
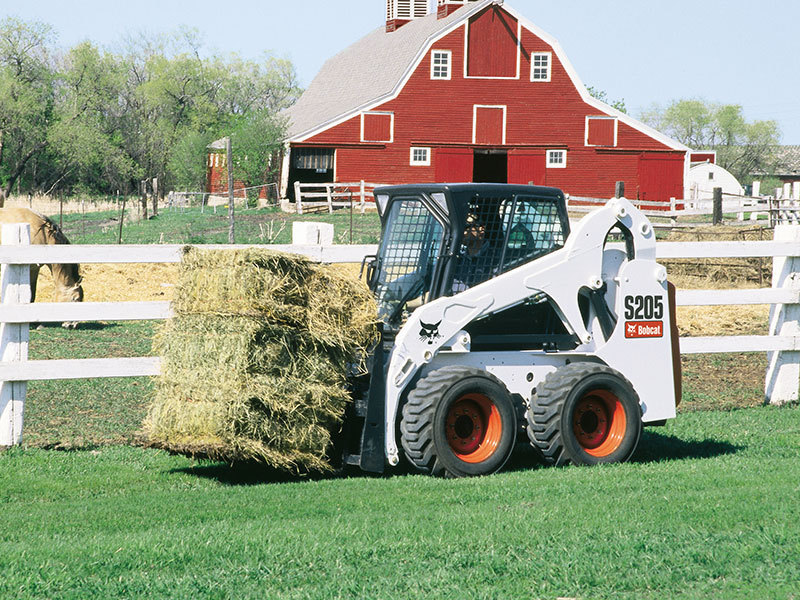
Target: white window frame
column 391, row 127
column 475, row 108
column 449, row 55
column 586, row 133
column 556, row 165
column 420, row 163
column 549, row 56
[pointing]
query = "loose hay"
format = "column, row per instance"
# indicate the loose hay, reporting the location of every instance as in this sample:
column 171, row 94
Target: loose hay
column 255, row 361
column 752, row 270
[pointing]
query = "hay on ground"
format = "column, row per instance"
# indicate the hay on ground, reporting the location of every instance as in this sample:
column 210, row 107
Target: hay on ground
column 255, row 361
column 736, row 271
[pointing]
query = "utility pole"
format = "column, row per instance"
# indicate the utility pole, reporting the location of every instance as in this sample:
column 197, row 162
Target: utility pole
column 229, row 161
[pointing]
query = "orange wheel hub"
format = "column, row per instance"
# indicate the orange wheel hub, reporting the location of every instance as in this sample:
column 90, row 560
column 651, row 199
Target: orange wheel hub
column 473, row 427
column 599, row 422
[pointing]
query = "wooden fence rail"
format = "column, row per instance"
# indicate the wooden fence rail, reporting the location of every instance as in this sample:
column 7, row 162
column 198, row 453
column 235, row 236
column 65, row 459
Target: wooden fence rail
column 17, row 313
column 780, row 210
column 332, row 195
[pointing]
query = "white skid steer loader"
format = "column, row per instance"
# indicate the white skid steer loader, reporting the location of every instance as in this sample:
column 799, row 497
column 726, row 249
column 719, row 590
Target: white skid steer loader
column 496, row 319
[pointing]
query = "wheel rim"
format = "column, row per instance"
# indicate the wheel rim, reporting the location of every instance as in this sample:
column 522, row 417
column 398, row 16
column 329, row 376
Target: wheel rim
column 473, row 428
column 599, row 422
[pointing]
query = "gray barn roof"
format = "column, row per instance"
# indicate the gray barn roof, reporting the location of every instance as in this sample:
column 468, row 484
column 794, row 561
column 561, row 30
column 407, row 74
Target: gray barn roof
column 367, row 71
column 788, row 160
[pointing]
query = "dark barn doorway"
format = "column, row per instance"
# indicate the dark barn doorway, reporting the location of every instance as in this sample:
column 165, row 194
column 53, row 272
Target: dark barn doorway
column 490, row 166
column 310, row 165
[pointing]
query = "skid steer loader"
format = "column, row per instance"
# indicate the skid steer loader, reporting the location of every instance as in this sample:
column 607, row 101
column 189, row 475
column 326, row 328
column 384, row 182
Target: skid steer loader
column 497, row 320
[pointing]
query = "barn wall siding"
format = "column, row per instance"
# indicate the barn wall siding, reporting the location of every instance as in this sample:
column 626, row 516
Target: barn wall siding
column 492, row 45
column 540, row 115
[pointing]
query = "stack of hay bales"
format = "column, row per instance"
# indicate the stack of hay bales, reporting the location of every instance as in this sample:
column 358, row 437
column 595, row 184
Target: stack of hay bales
column 254, row 362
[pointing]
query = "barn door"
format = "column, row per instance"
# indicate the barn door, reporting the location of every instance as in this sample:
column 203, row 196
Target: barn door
column 453, row 165
column 660, row 176
column 489, row 125
column 526, row 166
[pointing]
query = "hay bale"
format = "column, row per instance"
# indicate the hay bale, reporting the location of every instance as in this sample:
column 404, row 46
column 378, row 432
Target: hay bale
column 256, row 359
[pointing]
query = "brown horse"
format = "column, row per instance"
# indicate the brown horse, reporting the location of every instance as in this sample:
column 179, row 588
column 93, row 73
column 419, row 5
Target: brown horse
column 66, row 277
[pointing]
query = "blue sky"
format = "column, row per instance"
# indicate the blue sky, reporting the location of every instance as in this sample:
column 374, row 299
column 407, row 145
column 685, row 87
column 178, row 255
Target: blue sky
column 645, row 52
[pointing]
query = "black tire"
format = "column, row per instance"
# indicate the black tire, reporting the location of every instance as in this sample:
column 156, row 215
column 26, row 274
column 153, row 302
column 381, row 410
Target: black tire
column 458, row 421
column 584, row 414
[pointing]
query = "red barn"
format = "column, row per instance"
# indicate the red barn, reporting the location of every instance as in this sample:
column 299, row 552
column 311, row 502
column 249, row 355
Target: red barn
column 473, row 92
column 217, row 173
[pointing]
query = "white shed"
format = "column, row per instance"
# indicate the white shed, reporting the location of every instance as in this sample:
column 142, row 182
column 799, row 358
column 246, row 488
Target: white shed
column 703, row 178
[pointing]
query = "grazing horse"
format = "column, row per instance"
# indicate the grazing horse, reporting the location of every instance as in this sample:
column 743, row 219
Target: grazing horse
column 66, row 277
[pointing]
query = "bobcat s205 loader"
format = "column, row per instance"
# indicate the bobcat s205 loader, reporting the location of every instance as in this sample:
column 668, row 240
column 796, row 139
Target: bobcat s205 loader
column 497, row 320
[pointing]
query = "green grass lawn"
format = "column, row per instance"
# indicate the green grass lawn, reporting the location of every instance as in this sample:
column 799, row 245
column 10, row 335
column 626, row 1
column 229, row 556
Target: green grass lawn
column 707, row 509
column 81, row 413
column 193, row 226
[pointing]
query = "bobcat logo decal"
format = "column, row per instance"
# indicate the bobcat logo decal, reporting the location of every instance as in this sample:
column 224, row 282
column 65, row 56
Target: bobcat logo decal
column 429, row 331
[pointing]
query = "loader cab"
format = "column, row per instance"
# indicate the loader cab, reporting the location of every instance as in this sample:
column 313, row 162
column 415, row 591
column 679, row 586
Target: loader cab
column 439, row 240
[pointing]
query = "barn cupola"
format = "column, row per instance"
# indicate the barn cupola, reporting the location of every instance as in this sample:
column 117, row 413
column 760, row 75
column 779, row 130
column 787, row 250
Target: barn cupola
column 447, row 7
column 400, row 12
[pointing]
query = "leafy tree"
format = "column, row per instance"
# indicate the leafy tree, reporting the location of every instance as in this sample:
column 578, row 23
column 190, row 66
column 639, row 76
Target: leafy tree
column 256, row 143
column 26, row 97
column 603, row 97
column 98, row 121
column 186, row 164
column 742, row 148
column 82, row 139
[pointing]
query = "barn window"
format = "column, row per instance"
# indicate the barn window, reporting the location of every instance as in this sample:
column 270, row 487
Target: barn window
column 540, row 66
column 601, row 131
column 420, row 157
column 711, row 175
column 319, row 159
column 377, row 127
column 440, row 64
column 556, row 159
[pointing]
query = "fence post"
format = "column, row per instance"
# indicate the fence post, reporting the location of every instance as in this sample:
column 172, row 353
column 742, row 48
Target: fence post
column 16, row 289
column 619, row 189
column 298, row 198
column 363, row 196
column 716, row 219
column 783, row 370
column 328, row 192
column 231, row 199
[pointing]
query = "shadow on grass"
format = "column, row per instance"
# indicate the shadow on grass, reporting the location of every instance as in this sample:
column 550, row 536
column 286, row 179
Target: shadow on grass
column 657, row 447
column 83, row 326
column 250, row 473
column 653, row 447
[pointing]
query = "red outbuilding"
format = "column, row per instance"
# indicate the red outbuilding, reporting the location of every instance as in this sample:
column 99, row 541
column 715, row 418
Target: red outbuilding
column 472, row 92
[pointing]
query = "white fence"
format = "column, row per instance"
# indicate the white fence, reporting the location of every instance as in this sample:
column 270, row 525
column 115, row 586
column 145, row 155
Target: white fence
column 783, row 210
column 17, row 313
column 332, row 195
